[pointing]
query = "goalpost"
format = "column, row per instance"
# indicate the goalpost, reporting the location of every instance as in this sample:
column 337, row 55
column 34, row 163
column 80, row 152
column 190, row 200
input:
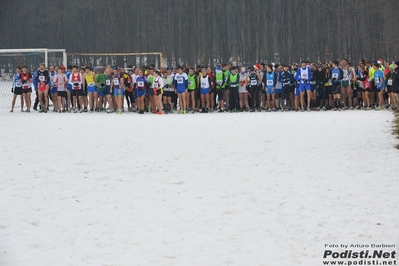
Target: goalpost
column 125, row 60
column 12, row 58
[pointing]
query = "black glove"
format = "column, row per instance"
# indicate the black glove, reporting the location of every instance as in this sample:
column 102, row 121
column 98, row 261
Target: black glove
column 23, row 81
column 305, row 81
column 333, row 79
column 12, row 89
column 102, row 85
column 75, row 84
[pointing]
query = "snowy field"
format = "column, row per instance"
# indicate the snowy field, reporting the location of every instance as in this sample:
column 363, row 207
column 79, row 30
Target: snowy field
column 206, row 189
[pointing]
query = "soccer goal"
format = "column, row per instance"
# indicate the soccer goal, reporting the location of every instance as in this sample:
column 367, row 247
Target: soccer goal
column 12, row 58
column 125, row 60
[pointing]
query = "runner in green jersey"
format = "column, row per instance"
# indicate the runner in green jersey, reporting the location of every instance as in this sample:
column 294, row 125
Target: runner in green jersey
column 226, row 72
column 101, row 87
column 192, row 87
column 220, row 81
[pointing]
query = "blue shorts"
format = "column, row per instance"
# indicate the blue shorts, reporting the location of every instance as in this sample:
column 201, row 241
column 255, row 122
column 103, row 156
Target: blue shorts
column 91, row 88
column 277, row 90
column 183, row 90
column 53, row 90
column 312, row 87
column 118, row 92
column 304, row 86
column 205, row 91
column 140, row 93
column 269, row 91
column 296, row 91
column 101, row 93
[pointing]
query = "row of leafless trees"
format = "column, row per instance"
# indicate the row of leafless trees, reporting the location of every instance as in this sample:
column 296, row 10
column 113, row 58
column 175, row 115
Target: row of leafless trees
column 208, row 31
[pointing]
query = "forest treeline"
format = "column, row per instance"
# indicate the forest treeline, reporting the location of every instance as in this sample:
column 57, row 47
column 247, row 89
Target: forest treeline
column 207, row 31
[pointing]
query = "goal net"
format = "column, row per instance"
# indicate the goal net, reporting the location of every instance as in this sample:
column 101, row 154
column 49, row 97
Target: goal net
column 12, row 58
column 125, row 60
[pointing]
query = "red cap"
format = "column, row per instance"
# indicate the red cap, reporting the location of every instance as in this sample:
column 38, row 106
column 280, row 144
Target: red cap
column 62, row 67
column 257, row 66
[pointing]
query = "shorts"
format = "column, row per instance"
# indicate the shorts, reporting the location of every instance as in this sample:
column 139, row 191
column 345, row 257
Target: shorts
column 61, row 94
column 118, row 92
column 367, row 89
column 389, row 89
column 76, row 93
column 242, row 89
column 91, row 88
column 140, row 93
column 167, row 93
column 106, row 91
column 380, row 89
column 42, row 87
column 149, row 92
column 336, row 88
column 270, row 91
column 304, row 86
column 328, row 90
column 296, row 91
column 345, row 83
column 27, row 90
column 101, row 93
column 277, row 90
column 18, row 90
column 220, row 94
column 53, row 90
column 69, row 88
column 204, row 91
column 183, row 90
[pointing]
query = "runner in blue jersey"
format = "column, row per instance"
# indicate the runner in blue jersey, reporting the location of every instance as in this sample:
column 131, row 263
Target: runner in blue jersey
column 181, row 83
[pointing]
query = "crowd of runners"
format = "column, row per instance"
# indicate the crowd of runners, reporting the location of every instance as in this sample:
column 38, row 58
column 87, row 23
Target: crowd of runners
column 225, row 88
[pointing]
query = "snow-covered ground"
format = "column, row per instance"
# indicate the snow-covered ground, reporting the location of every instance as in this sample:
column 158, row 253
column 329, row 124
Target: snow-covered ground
column 206, row 189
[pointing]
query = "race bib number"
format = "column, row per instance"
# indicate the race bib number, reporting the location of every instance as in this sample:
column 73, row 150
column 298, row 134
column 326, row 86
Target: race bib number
column 190, row 83
column 42, row 78
column 116, row 82
column 203, row 84
column 91, row 84
column 254, row 82
column 269, row 82
column 390, row 82
column 25, row 86
column 219, row 82
column 140, row 83
column 108, row 82
column 335, row 75
column 304, row 75
column 180, row 80
column 313, row 82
